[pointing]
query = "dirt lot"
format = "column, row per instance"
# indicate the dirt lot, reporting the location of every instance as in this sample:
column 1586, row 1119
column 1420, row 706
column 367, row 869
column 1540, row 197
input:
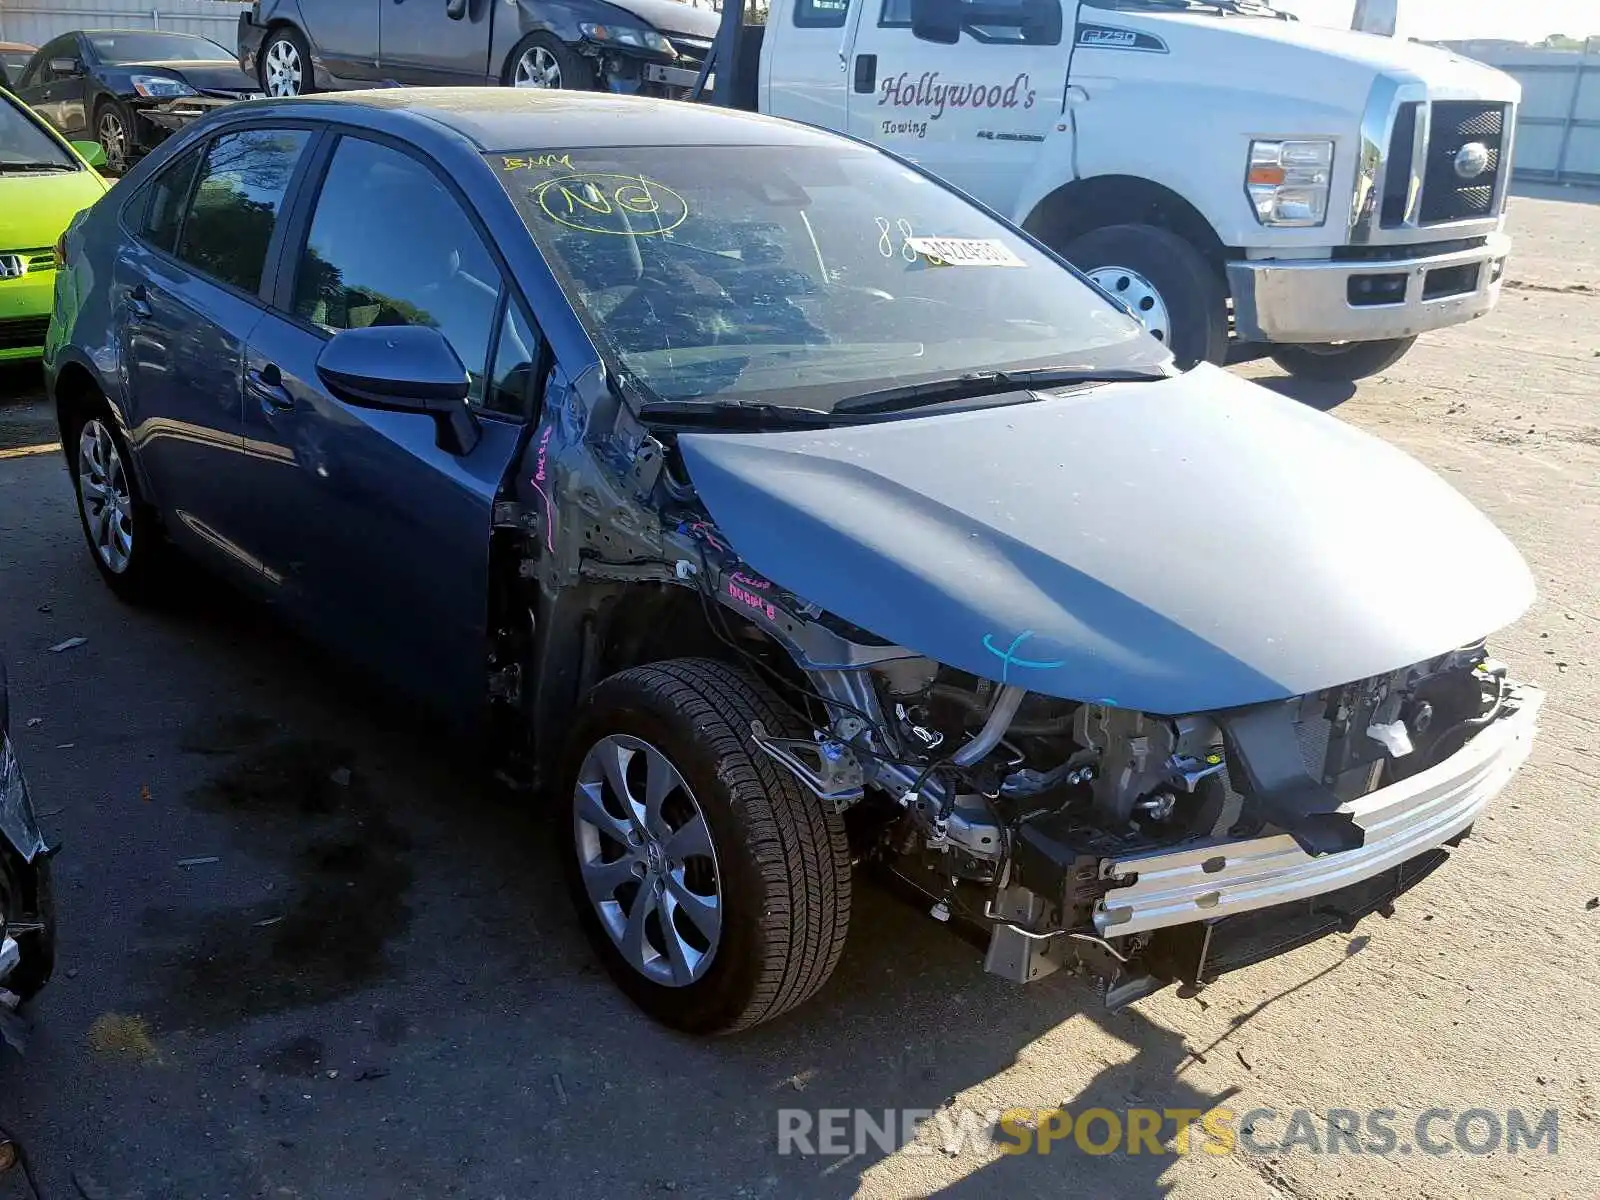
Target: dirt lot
column 377, row 989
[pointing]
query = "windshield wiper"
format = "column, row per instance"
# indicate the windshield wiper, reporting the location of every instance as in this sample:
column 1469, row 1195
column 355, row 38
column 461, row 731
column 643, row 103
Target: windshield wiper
column 36, row 166
column 986, row 383
column 730, row 414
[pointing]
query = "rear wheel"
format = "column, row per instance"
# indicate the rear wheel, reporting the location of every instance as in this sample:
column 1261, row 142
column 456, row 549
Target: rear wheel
column 714, row 888
column 1164, row 281
column 285, row 63
column 1342, row 363
column 123, row 532
column 544, row 61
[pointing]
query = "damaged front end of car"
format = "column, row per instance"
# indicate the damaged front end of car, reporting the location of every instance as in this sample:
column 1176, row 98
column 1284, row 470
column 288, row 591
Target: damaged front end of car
column 1142, row 848
column 27, row 909
column 1162, row 773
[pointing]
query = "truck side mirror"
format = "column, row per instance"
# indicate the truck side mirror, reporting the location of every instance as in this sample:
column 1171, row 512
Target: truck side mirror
column 936, row 21
column 65, row 67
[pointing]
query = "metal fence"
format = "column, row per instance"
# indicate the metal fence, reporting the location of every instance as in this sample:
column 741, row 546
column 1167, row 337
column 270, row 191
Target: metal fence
column 37, row 21
column 1558, row 132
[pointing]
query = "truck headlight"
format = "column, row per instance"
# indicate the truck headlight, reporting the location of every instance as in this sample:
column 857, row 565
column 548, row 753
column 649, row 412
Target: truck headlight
column 161, row 87
column 627, row 35
column 1288, row 182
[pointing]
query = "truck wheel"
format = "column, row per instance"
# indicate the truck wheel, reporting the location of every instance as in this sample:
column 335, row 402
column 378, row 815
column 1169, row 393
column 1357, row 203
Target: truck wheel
column 285, row 64
column 1165, row 281
column 542, row 60
column 715, row 889
column 1345, row 362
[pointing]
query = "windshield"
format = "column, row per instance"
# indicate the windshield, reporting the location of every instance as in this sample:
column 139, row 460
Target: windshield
column 12, row 63
column 121, row 48
column 23, row 142
column 799, row 275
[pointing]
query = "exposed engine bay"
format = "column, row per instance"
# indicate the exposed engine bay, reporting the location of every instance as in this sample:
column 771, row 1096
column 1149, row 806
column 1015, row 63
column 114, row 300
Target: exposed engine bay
column 1007, row 811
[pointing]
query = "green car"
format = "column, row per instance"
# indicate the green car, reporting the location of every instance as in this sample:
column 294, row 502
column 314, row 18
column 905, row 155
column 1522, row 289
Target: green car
column 45, row 181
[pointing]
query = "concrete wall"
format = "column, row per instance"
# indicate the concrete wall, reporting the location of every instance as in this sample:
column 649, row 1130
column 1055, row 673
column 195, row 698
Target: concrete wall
column 37, row 21
column 1558, row 132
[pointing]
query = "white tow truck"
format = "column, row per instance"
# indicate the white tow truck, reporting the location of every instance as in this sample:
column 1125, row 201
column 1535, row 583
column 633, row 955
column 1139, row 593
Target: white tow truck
column 1230, row 174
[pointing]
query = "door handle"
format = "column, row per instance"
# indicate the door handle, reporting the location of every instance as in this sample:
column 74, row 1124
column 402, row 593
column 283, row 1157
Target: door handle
column 139, row 302
column 866, row 74
column 266, row 385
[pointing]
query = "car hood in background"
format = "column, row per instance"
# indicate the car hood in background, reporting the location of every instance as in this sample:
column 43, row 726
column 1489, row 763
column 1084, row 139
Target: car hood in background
column 1178, row 546
column 670, row 16
column 221, row 76
column 36, row 208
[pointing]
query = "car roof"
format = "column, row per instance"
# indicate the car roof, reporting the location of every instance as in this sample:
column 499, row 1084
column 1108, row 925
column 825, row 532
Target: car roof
column 509, row 119
column 17, row 46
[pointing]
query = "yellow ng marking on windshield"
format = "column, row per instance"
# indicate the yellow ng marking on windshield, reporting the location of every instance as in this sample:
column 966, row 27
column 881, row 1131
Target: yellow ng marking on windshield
column 599, row 202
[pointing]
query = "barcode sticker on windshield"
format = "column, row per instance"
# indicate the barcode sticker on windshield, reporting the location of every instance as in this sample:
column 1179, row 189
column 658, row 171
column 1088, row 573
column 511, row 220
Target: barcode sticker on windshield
column 965, row 252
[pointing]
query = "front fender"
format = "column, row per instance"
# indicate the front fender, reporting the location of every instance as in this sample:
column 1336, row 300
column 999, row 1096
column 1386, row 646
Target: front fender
column 559, row 17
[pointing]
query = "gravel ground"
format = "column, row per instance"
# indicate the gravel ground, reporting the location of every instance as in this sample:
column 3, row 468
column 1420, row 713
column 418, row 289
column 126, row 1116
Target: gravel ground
column 373, row 987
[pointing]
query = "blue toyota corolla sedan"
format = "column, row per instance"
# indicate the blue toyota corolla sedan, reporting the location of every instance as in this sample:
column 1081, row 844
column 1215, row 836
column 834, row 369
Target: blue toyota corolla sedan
column 732, row 476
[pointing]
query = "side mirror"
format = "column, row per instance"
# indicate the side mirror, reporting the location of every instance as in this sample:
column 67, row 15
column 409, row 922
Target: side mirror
column 455, row 9
column 936, row 21
column 65, row 66
column 403, row 368
column 92, row 153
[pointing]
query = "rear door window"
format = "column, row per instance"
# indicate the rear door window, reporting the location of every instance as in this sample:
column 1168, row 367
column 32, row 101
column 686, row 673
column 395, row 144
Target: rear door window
column 160, row 214
column 236, row 204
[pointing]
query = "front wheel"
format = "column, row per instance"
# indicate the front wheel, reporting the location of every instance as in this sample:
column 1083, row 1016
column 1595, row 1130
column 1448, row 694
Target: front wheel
column 1164, row 281
column 1344, row 362
column 113, row 129
column 715, row 889
column 543, row 61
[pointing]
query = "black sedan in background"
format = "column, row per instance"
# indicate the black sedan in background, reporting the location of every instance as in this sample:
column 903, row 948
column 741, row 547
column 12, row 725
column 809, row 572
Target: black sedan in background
column 129, row 88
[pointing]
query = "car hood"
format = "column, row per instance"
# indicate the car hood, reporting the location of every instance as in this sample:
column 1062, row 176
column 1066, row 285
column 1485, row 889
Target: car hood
column 671, row 16
column 1443, row 70
column 35, row 209
column 223, row 76
column 1177, row 546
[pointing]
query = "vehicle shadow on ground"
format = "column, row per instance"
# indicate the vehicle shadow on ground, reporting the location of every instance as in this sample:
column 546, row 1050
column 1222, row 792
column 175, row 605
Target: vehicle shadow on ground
column 1313, row 393
column 427, row 902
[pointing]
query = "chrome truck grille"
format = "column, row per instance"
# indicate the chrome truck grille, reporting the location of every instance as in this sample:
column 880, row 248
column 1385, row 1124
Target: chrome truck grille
column 1431, row 163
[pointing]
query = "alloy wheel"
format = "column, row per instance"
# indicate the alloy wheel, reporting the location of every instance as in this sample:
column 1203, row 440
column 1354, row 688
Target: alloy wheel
column 646, row 860
column 283, row 70
column 105, row 496
column 537, row 68
column 113, row 140
column 1140, row 295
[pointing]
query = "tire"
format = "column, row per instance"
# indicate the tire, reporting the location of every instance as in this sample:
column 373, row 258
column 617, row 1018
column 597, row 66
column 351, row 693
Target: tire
column 283, row 67
column 779, row 862
column 129, row 546
column 537, row 55
column 1142, row 263
column 1342, row 363
column 114, row 129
